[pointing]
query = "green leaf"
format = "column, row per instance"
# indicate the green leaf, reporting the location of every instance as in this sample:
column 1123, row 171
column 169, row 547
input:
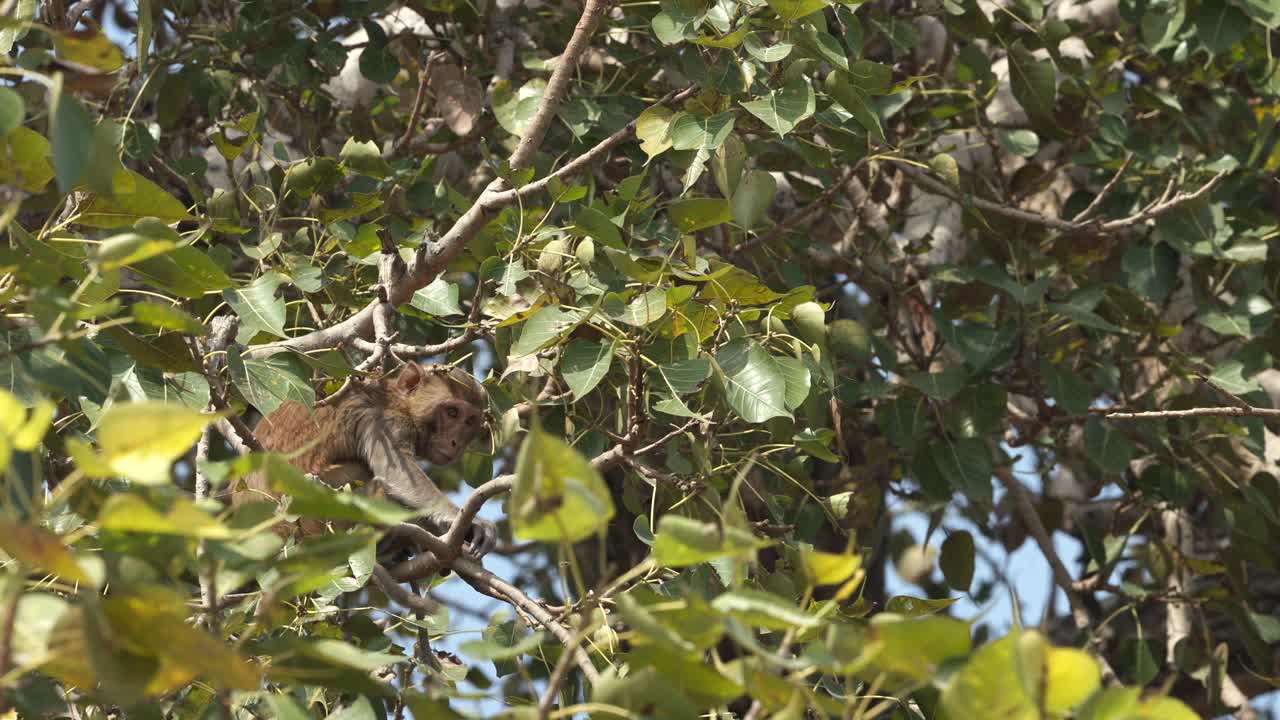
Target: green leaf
column 124, row 512
column 1034, row 86
column 146, row 26
column 120, row 250
column 590, row 222
column 757, row 608
column 691, row 132
column 683, row 541
column 558, row 495
column 440, row 298
column 854, row 100
column 1229, row 375
column 699, row 213
column 544, row 328
column 653, row 129
column 796, row 375
column 267, row 384
column 72, row 133
column 872, row 78
column 822, row 46
column 515, row 108
column 966, row 465
column 584, row 364
column 1264, row 12
column 1220, row 26
column 258, row 307
column 751, row 200
column 364, row 158
column 377, row 62
column 140, row 441
column 12, row 111
column 792, row 10
column 782, row 110
column 753, row 381
column 766, row 53
column 913, row 648
column 1151, row 269
column 1107, row 447
column 644, row 309
column 133, row 197
column 1024, row 143
column 23, row 12
column 185, row 271
column 317, row 500
column 30, row 159
column 166, row 317
column 956, row 560
column 941, row 386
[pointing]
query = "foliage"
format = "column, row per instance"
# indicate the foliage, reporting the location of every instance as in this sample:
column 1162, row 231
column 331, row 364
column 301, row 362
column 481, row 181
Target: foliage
column 775, row 276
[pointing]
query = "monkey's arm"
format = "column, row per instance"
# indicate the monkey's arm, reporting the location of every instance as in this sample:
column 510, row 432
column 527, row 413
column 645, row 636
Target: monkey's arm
column 408, row 485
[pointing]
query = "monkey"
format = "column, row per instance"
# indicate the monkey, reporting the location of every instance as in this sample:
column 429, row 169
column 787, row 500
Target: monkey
column 377, row 431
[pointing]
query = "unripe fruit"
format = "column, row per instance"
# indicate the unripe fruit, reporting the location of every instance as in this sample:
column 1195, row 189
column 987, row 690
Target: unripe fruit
column 552, row 256
column 810, row 320
column 586, row 252
column 774, row 325
column 850, row 340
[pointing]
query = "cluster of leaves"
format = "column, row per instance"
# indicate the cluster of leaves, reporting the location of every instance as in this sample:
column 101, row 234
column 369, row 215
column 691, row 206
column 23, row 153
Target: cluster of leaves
column 739, row 302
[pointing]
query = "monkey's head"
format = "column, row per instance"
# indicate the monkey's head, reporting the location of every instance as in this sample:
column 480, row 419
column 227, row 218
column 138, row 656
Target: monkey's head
column 445, row 406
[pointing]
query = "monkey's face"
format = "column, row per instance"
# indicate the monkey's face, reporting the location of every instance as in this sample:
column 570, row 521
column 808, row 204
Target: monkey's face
column 441, row 410
column 450, row 428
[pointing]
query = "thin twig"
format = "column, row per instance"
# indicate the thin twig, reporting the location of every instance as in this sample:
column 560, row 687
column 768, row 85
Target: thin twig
column 419, row 102
column 1067, row 226
column 561, row 670
column 1062, row 578
column 1098, row 199
column 7, row 624
column 1196, row 412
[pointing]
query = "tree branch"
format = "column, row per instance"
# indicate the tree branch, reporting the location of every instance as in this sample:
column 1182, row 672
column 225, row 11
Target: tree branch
column 1161, row 207
column 432, row 258
column 1196, row 412
column 557, row 86
column 1061, row 578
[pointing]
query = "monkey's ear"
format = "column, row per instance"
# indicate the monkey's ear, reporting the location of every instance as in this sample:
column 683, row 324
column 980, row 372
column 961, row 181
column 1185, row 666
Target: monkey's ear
column 410, row 376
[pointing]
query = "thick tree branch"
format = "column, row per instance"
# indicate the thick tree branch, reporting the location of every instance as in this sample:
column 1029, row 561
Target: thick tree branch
column 558, row 85
column 432, row 258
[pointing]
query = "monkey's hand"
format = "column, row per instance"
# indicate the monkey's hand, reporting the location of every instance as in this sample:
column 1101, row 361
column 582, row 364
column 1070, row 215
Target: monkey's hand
column 482, row 537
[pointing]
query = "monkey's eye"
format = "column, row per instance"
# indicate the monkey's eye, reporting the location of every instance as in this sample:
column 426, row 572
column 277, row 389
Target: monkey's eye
column 452, row 412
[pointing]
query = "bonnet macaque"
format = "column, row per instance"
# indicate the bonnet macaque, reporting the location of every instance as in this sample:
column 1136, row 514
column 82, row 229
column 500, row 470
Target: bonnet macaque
column 377, row 431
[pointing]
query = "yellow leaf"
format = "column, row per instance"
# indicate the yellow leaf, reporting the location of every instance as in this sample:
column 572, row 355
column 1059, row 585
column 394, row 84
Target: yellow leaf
column 825, row 568
column 88, row 461
column 36, row 547
column 140, row 441
column 1072, row 678
column 90, row 49
column 130, row 513
column 17, row 430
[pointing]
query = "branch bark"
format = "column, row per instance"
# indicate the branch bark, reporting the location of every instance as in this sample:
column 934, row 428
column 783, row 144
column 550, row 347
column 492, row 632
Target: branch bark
column 1164, row 205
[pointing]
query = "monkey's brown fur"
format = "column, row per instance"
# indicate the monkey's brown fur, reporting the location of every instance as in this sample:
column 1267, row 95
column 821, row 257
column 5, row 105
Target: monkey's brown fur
column 378, row 430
